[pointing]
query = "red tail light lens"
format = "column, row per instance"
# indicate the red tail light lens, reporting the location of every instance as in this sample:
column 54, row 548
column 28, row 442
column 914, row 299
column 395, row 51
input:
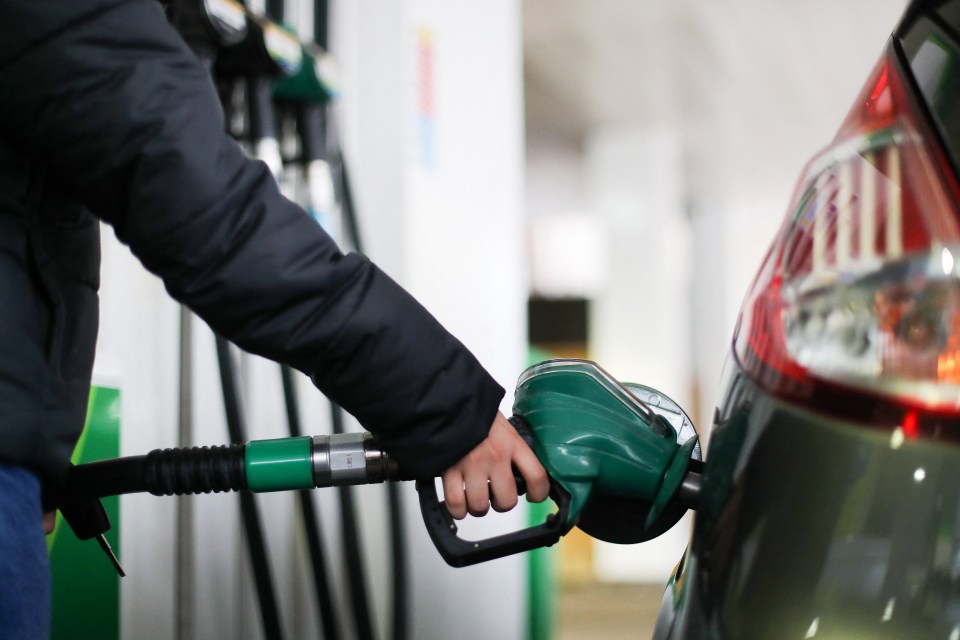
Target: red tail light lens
column 860, row 294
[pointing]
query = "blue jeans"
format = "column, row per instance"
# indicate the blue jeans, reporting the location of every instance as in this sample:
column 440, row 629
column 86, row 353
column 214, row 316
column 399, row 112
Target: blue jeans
column 24, row 568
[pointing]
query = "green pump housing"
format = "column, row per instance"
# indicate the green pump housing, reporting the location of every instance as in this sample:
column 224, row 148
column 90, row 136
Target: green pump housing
column 595, row 437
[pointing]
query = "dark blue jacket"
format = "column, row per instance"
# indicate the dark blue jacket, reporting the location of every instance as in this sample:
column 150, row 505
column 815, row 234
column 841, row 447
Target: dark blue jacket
column 106, row 114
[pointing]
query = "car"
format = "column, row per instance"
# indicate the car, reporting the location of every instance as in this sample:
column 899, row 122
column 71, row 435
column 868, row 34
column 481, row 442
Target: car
column 830, row 500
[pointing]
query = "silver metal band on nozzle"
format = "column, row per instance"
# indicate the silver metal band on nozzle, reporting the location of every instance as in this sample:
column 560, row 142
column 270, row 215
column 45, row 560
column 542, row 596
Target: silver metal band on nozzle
column 349, row 458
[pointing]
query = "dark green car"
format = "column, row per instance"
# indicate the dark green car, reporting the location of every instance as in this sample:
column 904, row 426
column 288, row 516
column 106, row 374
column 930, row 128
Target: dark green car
column 831, row 496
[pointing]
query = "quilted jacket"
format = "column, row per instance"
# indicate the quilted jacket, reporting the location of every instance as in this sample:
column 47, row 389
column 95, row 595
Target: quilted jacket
column 106, row 115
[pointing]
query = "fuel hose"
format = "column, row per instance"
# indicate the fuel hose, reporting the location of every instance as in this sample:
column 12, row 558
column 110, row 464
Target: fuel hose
column 258, row 466
column 172, row 472
column 328, row 617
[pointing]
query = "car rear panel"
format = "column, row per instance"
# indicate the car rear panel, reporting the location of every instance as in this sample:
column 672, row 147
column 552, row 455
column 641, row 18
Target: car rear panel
column 831, row 501
column 820, row 528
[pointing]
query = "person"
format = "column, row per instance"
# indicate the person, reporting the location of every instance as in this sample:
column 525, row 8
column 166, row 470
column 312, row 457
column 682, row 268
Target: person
column 106, row 114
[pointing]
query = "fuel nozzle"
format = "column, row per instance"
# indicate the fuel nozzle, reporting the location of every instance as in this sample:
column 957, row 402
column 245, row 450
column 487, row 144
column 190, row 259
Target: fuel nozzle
column 621, row 469
column 632, row 467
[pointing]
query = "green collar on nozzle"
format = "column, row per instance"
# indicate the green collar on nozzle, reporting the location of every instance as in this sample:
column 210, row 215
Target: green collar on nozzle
column 594, row 437
column 317, row 81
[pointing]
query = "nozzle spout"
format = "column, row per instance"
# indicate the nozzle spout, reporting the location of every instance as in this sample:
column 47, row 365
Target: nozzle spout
column 689, row 492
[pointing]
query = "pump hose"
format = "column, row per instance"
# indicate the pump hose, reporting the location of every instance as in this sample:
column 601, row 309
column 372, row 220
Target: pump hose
column 256, row 541
column 162, row 472
column 358, row 590
column 360, row 602
column 328, row 614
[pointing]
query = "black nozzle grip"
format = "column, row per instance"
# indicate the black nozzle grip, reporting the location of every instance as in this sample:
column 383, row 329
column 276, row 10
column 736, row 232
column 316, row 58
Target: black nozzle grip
column 526, row 434
column 458, row 552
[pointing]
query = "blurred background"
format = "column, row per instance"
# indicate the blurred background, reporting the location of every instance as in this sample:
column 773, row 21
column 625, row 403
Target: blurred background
column 663, row 141
column 550, row 178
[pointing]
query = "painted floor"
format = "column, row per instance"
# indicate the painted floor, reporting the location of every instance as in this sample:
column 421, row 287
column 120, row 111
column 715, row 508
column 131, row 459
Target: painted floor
column 607, row 611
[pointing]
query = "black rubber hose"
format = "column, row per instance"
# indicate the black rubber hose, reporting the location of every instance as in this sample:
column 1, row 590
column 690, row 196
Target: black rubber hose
column 359, row 600
column 312, row 126
column 112, row 477
column 259, row 97
column 328, row 620
column 349, row 211
column 196, row 470
column 398, row 550
column 348, row 520
column 321, row 20
column 256, row 545
column 163, row 472
column 398, row 545
column 276, row 10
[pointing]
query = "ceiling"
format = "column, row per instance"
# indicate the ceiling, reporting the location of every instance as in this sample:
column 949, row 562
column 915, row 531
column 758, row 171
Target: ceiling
column 696, row 62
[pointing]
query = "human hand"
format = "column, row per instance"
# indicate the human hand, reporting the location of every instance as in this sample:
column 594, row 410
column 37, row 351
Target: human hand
column 486, row 474
column 49, row 522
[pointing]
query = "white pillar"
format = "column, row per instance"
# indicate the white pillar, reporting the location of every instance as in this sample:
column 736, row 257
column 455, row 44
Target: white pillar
column 433, row 122
column 640, row 319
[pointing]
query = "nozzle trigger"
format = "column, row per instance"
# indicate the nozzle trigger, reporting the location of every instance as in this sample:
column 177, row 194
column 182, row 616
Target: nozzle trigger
column 458, row 552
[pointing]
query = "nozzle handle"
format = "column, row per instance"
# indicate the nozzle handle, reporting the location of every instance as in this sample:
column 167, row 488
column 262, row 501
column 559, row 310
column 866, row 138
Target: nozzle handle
column 458, row 552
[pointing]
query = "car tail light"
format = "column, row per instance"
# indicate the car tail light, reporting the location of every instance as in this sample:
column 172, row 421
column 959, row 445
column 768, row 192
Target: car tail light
column 857, row 304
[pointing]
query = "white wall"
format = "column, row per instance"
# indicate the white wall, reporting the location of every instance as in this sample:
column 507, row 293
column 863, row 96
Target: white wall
column 137, row 353
column 433, row 125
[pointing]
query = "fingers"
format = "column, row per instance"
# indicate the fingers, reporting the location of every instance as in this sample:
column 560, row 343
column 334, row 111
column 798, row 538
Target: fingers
column 453, row 494
column 470, row 491
column 538, row 483
column 478, row 494
column 524, row 459
column 503, row 490
column 485, row 476
column 49, row 522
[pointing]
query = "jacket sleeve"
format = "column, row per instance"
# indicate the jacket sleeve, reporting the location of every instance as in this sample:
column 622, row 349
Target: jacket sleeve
column 124, row 118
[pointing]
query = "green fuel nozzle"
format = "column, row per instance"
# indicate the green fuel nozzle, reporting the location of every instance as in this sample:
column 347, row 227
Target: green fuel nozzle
column 619, row 469
column 596, row 437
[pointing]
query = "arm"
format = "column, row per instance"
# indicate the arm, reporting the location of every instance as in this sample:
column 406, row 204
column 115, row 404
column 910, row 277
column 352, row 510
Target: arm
column 123, row 118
